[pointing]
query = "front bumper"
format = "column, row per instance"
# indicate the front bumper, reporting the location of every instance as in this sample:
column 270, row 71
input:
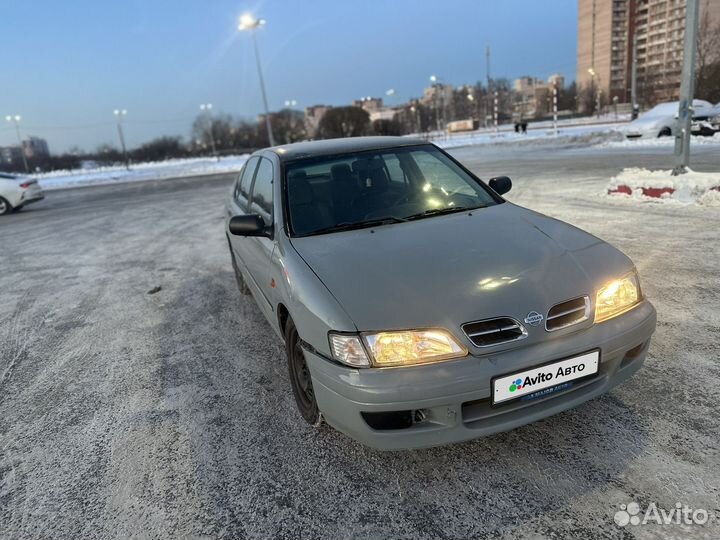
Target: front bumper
column 455, row 395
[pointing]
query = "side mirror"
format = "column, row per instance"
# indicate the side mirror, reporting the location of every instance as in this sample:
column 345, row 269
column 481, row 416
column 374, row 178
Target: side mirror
column 248, row 225
column 500, row 184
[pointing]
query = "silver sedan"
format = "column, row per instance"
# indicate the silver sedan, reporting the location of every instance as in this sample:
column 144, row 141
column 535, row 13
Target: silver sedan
column 417, row 306
column 17, row 191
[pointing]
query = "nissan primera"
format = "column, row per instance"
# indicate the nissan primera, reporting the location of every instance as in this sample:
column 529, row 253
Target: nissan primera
column 417, row 306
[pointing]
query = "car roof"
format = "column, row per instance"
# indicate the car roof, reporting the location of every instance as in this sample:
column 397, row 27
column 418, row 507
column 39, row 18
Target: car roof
column 329, row 147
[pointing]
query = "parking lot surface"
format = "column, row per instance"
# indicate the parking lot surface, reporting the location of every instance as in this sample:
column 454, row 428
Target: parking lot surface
column 170, row 415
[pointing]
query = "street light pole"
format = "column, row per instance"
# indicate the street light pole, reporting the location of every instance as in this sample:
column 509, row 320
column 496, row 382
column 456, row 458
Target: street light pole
column 289, row 105
column 555, row 108
column 441, row 124
column 248, row 22
column 16, row 120
column 633, row 82
column 207, row 109
column 687, row 90
column 119, row 114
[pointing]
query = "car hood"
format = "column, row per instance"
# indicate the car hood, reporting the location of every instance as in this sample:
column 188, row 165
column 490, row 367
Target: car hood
column 444, row 271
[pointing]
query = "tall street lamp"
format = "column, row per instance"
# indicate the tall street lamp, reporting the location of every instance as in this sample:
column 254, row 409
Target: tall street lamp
column 596, row 87
column 119, row 115
column 435, row 80
column 290, row 105
column 16, row 120
column 249, row 22
column 207, row 109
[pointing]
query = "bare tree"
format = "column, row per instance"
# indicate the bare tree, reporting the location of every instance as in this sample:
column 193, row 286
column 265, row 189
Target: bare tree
column 344, row 122
column 707, row 73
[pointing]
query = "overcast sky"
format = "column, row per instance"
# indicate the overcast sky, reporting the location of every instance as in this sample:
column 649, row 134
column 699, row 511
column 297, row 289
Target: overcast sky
column 67, row 65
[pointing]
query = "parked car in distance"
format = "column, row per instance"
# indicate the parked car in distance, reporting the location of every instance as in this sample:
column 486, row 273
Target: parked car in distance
column 17, row 191
column 418, row 307
column 660, row 121
column 707, row 122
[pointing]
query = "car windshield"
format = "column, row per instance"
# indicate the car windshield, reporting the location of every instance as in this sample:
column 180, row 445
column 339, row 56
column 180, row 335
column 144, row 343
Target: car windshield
column 334, row 193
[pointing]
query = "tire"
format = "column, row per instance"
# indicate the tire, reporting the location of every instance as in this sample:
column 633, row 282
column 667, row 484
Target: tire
column 665, row 132
column 5, row 207
column 300, row 378
column 242, row 286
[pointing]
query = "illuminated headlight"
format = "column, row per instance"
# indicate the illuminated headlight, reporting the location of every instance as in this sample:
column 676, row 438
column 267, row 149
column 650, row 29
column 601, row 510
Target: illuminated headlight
column 391, row 349
column 412, row 347
column 617, row 297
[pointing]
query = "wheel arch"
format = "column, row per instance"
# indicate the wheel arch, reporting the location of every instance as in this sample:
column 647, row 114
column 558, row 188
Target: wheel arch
column 283, row 316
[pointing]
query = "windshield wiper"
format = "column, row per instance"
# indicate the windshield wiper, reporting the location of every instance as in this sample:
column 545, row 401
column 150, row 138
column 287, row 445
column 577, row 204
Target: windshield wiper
column 352, row 225
column 441, row 211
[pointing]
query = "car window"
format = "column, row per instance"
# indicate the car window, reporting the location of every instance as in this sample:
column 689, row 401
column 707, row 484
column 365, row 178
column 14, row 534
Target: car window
column 394, row 169
column 243, row 187
column 403, row 183
column 439, row 176
column 262, row 194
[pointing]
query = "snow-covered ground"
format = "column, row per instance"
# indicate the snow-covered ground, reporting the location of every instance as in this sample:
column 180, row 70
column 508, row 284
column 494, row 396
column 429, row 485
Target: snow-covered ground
column 172, row 168
column 659, row 142
column 691, row 187
column 171, row 415
column 505, row 133
column 590, row 134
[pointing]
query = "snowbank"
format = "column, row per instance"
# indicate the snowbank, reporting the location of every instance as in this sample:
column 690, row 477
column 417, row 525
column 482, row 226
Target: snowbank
column 663, row 142
column 590, row 134
column 643, row 184
column 138, row 172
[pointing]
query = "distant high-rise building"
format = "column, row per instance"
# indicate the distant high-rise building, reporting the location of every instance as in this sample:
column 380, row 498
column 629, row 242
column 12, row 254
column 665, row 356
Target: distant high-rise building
column 370, row 104
column 557, row 80
column 35, row 147
column 534, row 96
column 606, row 31
column 313, row 115
column 10, row 155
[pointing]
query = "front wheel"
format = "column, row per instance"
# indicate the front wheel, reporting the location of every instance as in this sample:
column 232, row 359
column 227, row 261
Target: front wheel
column 300, row 378
column 665, row 132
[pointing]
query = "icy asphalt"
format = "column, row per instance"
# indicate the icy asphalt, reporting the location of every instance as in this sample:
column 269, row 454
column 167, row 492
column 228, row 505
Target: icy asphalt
column 169, row 415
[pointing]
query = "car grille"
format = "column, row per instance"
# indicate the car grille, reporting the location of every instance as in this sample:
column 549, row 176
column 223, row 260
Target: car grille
column 568, row 313
column 494, row 331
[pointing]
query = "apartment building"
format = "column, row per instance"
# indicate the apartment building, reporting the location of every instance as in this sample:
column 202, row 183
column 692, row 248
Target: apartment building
column 606, row 31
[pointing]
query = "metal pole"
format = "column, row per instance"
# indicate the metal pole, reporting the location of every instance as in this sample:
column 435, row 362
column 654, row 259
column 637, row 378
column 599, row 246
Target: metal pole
column 495, row 111
column 489, row 89
column 122, row 143
column 633, row 81
column 262, row 89
column 555, row 125
column 19, row 138
column 444, row 110
column 687, row 90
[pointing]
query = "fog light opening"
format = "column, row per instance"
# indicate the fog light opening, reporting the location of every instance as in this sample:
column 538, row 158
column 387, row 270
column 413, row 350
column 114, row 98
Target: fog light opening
column 419, row 416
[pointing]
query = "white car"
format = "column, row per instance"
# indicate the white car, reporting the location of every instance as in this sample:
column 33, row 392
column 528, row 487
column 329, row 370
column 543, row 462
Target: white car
column 660, row 121
column 17, row 191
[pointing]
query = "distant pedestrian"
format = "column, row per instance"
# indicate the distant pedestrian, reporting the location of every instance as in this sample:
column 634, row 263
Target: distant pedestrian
column 524, row 128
